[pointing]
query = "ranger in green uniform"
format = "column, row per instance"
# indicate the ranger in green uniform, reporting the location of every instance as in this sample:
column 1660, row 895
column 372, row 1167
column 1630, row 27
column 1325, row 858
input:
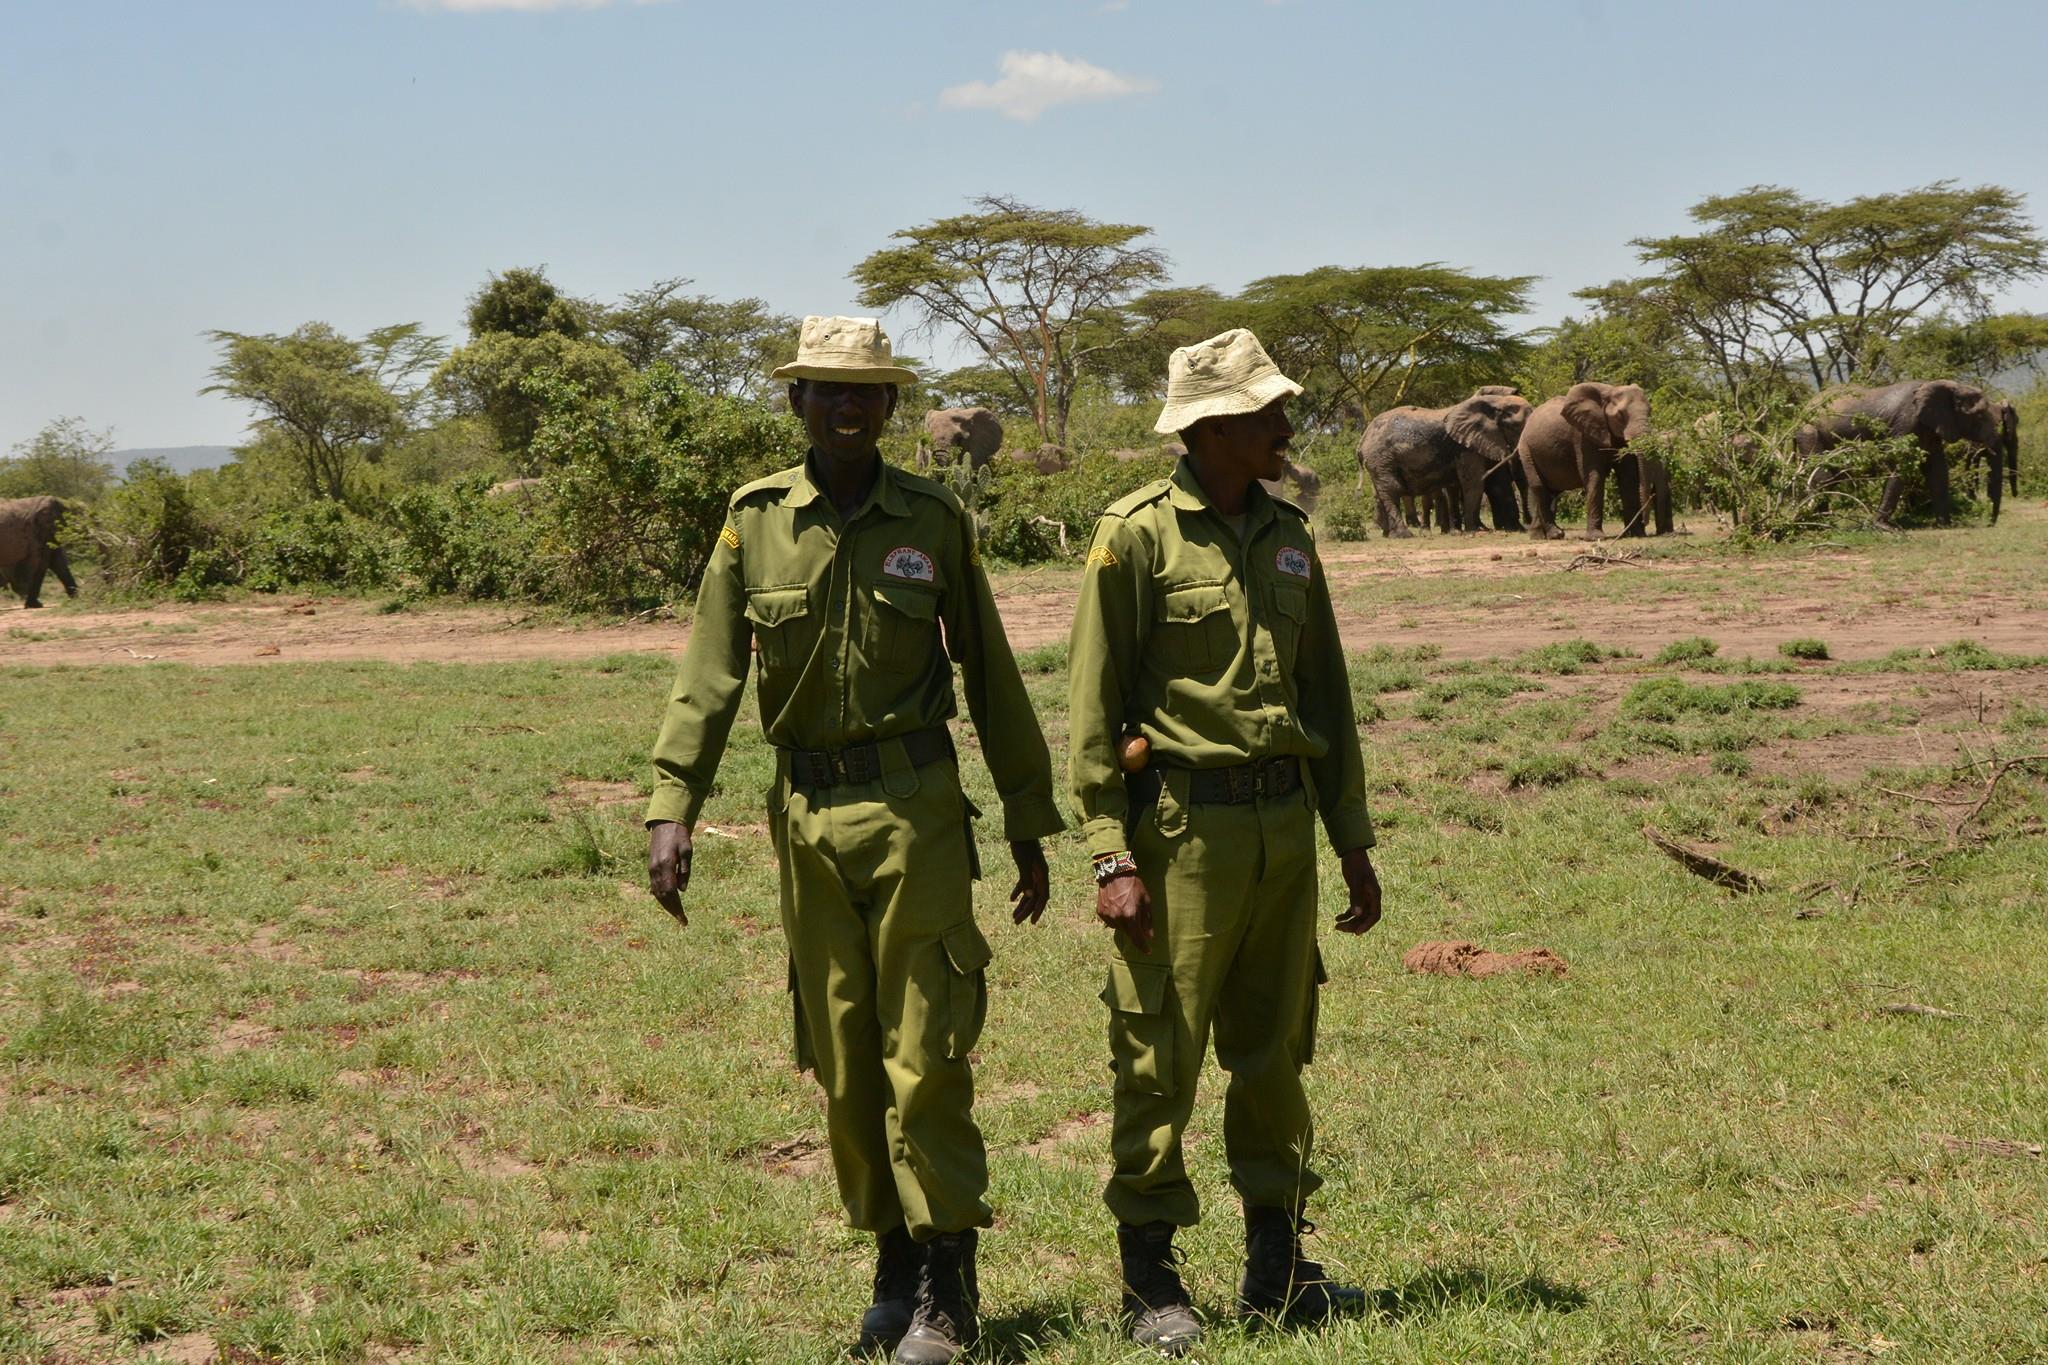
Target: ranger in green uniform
column 855, row 581
column 1211, row 725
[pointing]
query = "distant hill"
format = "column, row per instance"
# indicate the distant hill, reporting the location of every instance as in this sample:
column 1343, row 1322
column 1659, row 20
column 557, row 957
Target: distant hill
column 183, row 459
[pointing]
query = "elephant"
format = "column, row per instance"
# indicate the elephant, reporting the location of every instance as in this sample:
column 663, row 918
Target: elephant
column 1575, row 440
column 29, row 548
column 947, row 431
column 1046, row 459
column 1427, row 452
column 1308, row 485
column 1936, row 413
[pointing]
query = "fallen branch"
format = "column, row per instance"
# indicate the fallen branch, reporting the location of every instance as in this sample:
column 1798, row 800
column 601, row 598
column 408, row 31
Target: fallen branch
column 1059, row 526
column 1925, row 1011
column 1597, row 558
column 1704, row 864
column 2005, row 766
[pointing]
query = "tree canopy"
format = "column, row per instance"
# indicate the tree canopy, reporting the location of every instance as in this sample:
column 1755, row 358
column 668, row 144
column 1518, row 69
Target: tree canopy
column 1020, row 285
column 1777, row 286
column 66, row 459
column 720, row 347
column 333, row 400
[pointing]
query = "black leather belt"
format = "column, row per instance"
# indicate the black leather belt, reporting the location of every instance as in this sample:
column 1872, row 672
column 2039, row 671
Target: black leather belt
column 862, row 762
column 1262, row 779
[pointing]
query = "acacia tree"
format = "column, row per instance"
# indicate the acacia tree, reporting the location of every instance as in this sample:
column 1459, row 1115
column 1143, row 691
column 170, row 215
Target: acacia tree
column 1777, row 283
column 66, row 459
column 720, row 347
column 1028, row 288
column 1363, row 338
column 331, row 399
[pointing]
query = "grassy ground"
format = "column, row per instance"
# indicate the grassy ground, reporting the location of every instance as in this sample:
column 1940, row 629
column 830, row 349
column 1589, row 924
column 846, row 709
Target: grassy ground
column 335, row 1024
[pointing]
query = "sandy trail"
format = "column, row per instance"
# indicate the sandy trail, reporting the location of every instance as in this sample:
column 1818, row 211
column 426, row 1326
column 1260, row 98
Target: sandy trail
column 1836, row 598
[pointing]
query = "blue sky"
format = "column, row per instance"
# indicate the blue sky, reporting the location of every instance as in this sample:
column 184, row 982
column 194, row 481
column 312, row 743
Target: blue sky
column 251, row 165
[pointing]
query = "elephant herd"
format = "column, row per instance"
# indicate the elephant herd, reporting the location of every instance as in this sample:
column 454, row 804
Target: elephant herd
column 1495, row 447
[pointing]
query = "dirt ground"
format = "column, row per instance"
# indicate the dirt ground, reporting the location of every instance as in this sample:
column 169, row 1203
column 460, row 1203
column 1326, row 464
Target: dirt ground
column 1834, row 599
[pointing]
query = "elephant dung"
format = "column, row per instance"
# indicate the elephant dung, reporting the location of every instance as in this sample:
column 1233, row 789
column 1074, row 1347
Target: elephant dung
column 1455, row 957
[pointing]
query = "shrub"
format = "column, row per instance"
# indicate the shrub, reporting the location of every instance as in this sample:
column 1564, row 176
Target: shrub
column 641, row 479
column 1804, row 649
column 458, row 540
column 318, row 543
column 1684, row 651
column 147, row 531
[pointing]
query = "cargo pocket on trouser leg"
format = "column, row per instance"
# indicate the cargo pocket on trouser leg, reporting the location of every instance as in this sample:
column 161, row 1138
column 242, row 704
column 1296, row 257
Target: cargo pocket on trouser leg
column 1315, row 995
column 805, row 1059
column 966, row 1006
column 1140, row 1029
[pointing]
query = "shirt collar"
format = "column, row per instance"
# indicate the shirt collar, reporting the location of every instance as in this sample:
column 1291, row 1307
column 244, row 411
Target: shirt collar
column 1188, row 495
column 887, row 492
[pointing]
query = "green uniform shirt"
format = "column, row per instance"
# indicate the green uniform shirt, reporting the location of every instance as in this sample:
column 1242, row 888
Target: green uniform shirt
column 847, row 618
column 1218, row 649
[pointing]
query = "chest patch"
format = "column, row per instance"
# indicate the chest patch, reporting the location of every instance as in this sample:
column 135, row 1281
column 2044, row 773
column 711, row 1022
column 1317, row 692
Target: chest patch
column 907, row 561
column 1291, row 561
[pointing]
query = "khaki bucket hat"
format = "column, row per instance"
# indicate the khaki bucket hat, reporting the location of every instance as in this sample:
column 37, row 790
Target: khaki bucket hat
column 849, row 350
column 1221, row 377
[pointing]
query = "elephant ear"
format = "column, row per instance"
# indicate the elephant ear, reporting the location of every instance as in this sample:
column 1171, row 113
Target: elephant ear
column 1475, row 425
column 1585, row 407
column 1940, row 401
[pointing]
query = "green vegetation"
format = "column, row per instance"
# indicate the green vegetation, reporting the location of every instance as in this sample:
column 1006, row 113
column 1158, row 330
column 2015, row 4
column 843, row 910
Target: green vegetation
column 1807, row 648
column 339, row 1026
column 1687, row 651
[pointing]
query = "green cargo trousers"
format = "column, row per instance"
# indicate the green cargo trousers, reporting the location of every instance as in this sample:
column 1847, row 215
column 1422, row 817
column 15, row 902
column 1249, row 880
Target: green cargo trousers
column 1234, row 946
column 886, row 975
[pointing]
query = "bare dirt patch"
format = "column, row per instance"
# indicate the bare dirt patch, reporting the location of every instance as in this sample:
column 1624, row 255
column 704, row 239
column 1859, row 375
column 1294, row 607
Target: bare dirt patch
column 592, row 792
column 1455, row 957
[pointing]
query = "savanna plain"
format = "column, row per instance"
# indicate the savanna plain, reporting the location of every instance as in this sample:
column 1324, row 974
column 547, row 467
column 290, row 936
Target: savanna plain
column 336, row 1022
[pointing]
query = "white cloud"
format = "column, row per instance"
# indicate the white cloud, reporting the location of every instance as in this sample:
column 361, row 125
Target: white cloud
column 526, row 6
column 1033, row 82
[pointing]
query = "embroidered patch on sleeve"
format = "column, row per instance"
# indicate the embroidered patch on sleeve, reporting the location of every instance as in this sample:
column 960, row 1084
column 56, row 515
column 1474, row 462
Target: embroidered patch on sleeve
column 730, row 538
column 1101, row 555
column 907, row 561
column 1292, row 561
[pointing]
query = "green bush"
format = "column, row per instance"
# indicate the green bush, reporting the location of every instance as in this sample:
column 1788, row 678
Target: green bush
column 318, row 544
column 1804, row 649
column 147, row 531
column 640, row 481
column 458, row 540
column 1684, row 651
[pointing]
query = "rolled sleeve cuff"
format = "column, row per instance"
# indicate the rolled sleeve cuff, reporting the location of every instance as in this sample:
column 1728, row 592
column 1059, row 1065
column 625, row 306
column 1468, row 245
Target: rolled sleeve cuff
column 1349, row 829
column 1031, row 817
column 1105, row 834
column 674, row 802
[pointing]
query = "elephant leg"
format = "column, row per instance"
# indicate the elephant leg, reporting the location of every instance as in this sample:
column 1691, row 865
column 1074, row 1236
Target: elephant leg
column 28, row 581
column 1660, row 481
column 1629, row 473
column 1440, row 502
column 60, row 564
column 1889, row 503
column 1937, row 485
column 1542, row 506
column 1471, row 470
column 1391, row 522
column 1596, row 502
column 1409, row 516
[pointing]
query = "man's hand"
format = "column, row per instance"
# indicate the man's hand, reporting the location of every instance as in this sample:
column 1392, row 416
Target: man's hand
column 1364, row 884
column 1123, row 903
column 668, row 866
column 1034, row 883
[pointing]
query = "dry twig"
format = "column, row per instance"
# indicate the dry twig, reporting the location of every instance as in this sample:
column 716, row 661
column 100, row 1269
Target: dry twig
column 1704, row 864
column 1925, row 1011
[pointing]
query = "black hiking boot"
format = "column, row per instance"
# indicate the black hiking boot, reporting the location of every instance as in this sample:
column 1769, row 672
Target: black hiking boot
column 1155, row 1300
column 898, row 1262
column 1279, row 1282
column 948, row 1296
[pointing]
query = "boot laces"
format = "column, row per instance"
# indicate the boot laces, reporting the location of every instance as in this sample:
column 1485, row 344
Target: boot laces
column 1156, row 1281
column 897, row 1268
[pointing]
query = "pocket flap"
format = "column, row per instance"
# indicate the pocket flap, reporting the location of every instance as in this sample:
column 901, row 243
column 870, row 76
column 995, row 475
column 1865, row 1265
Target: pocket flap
column 966, row 948
column 1137, row 987
column 921, row 603
column 1291, row 601
column 1192, row 602
column 774, row 606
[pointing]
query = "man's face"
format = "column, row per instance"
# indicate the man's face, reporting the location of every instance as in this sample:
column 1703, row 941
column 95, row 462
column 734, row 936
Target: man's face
column 844, row 421
column 1255, row 442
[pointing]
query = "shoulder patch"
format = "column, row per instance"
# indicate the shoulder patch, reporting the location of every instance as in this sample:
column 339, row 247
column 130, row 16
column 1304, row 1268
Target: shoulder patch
column 1102, row 555
column 1139, row 497
column 729, row 538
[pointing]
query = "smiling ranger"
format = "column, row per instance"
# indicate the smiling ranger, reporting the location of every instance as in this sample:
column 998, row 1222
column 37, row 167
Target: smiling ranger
column 859, row 585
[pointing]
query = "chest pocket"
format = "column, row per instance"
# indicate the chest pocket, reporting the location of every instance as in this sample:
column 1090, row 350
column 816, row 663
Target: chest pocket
column 1192, row 629
column 783, row 628
column 902, row 627
column 1290, row 615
